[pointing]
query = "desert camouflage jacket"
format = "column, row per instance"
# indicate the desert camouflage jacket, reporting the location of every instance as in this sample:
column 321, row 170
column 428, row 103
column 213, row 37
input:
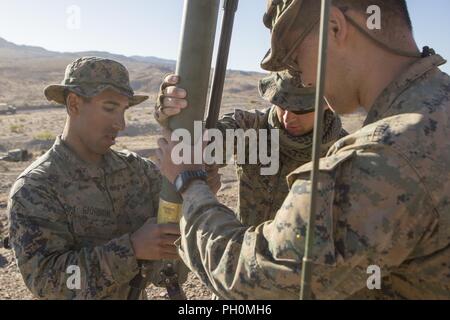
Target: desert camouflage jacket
column 66, row 213
column 260, row 196
column 383, row 200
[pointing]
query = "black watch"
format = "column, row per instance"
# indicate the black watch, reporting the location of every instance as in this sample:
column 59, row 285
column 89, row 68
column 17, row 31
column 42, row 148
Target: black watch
column 185, row 178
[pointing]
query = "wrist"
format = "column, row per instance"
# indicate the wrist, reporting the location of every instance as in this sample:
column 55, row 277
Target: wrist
column 189, row 188
column 134, row 245
column 161, row 118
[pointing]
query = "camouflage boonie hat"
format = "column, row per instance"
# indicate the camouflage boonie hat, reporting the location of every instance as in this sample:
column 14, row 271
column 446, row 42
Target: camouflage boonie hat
column 285, row 17
column 90, row 76
column 286, row 91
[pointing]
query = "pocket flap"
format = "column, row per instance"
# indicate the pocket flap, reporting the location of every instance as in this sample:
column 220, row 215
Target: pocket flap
column 326, row 164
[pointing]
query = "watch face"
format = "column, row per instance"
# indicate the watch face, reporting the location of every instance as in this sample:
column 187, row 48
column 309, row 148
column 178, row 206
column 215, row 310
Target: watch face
column 178, row 182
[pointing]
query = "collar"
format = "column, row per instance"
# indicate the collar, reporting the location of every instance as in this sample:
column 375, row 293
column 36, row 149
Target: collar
column 387, row 98
column 80, row 169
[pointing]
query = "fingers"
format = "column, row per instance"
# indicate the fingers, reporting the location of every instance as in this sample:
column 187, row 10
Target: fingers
column 170, row 112
column 173, row 106
column 177, row 103
column 171, row 79
column 175, row 92
column 168, row 240
column 171, row 100
column 170, row 229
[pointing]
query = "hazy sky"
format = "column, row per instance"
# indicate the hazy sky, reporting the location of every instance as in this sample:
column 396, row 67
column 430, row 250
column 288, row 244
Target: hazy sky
column 151, row 28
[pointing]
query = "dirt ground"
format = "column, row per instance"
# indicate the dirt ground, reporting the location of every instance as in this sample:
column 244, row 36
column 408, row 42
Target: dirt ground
column 36, row 130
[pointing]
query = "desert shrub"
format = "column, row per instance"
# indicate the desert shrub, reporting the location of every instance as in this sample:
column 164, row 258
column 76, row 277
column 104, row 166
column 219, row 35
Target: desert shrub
column 17, row 128
column 45, row 135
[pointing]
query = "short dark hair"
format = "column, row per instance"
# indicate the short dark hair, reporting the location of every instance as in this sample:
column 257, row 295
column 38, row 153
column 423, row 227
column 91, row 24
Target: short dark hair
column 394, row 11
column 67, row 92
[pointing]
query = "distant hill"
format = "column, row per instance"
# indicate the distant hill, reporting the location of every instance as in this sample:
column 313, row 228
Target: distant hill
column 26, row 70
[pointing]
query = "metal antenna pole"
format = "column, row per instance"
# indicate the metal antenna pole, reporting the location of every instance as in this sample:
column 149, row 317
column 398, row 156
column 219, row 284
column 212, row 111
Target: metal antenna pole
column 305, row 292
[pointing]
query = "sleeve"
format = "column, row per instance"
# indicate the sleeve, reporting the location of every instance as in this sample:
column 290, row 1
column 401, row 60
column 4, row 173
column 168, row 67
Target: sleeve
column 240, row 119
column 370, row 211
column 46, row 252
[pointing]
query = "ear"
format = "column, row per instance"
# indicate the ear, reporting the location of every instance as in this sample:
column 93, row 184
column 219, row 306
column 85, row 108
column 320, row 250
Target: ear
column 73, row 104
column 338, row 32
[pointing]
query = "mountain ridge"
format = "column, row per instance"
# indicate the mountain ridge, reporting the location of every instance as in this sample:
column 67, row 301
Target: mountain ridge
column 26, row 70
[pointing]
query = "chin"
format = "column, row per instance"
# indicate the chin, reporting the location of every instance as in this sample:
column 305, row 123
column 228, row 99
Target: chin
column 342, row 107
column 346, row 111
column 296, row 133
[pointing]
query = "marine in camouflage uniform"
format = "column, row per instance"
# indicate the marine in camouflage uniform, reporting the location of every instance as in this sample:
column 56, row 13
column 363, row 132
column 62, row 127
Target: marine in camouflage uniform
column 65, row 212
column 383, row 199
column 260, row 196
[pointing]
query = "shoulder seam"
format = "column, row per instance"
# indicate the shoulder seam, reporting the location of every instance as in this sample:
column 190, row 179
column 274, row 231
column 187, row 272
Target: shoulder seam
column 32, row 167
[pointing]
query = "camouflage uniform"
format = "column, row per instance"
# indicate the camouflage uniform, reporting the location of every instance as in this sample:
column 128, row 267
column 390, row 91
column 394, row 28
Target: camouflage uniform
column 64, row 212
column 383, row 200
column 260, row 196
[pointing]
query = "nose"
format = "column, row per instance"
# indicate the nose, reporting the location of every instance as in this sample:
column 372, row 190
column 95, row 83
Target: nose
column 119, row 123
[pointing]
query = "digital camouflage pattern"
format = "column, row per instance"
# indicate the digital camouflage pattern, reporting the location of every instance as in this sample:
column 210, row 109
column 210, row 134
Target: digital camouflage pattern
column 283, row 18
column 260, row 196
column 383, row 199
column 90, row 76
column 65, row 212
column 288, row 92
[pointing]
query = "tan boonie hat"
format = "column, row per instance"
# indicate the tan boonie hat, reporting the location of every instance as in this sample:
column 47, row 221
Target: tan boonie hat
column 287, row 92
column 90, row 76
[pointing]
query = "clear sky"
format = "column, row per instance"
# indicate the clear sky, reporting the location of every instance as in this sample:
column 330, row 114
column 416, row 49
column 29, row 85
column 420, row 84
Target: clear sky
column 151, row 27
